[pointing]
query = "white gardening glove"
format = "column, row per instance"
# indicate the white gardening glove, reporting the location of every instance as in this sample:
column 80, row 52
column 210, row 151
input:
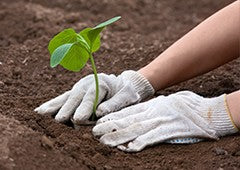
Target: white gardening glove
column 183, row 117
column 115, row 92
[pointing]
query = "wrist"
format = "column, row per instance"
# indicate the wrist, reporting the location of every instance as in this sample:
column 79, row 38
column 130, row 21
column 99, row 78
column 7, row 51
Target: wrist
column 149, row 74
column 217, row 113
column 233, row 100
column 142, row 86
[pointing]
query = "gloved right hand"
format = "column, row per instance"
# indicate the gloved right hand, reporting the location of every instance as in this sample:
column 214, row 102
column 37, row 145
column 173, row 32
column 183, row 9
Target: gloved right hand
column 183, row 117
column 115, row 93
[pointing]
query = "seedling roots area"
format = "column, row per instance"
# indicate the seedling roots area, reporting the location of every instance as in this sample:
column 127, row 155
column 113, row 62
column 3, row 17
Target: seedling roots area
column 147, row 27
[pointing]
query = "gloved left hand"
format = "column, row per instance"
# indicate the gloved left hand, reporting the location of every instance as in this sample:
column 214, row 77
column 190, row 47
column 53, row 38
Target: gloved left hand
column 183, row 117
column 115, row 92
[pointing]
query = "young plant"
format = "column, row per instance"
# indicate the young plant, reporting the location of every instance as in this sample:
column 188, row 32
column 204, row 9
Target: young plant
column 72, row 50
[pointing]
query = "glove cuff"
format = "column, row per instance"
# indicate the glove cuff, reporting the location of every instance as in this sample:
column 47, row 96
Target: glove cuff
column 140, row 83
column 220, row 117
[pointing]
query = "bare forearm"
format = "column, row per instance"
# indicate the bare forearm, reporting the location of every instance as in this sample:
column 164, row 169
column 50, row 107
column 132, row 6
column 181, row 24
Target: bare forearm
column 233, row 100
column 209, row 45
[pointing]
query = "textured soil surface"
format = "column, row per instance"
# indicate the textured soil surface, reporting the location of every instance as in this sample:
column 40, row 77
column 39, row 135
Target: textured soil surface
column 147, row 27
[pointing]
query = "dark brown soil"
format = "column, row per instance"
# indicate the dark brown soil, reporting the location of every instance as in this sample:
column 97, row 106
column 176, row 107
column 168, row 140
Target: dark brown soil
column 147, row 27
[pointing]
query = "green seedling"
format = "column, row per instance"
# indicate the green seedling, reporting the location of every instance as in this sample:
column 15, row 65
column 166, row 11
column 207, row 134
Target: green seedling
column 72, row 50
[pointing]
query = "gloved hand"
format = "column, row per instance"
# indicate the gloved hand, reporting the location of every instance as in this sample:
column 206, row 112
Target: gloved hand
column 183, row 117
column 115, row 92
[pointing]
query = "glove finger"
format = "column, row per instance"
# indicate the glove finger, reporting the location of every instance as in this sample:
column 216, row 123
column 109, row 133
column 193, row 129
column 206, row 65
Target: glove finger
column 131, row 110
column 116, row 125
column 165, row 131
column 85, row 109
column 123, row 98
column 52, row 106
column 70, row 105
column 154, row 136
column 133, row 131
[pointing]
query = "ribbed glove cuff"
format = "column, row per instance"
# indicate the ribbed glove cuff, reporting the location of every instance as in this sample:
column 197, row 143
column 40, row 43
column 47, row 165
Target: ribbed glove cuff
column 140, row 83
column 220, row 117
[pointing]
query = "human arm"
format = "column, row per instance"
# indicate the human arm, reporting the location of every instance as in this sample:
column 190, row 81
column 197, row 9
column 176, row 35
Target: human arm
column 212, row 43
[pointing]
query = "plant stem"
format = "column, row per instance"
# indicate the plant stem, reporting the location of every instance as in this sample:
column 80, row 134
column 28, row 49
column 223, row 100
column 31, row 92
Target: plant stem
column 97, row 88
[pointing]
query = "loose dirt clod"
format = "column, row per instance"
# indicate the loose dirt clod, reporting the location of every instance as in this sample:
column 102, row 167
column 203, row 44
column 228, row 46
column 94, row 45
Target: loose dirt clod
column 87, row 136
column 46, row 142
column 1, row 83
column 107, row 167
column 220, row 151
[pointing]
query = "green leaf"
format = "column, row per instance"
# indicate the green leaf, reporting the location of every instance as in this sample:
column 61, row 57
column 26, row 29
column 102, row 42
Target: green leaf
column 76, row 58
column 96, row 44
column 108, row 22
column 71, row 56
column 83, row 42
column 93, row 33
column 64, row 37
column 59, row 54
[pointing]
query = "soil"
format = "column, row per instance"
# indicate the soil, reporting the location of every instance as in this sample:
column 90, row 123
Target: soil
column 147, row 27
